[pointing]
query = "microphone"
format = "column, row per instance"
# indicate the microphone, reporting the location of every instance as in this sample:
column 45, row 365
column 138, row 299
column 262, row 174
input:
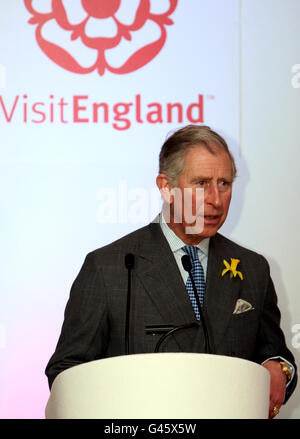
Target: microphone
column 129, row 263
column 187, row 265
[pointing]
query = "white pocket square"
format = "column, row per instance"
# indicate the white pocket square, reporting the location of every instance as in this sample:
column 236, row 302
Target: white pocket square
column 242, row 306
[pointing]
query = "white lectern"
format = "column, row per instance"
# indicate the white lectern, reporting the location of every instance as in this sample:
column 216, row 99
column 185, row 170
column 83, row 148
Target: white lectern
column 161, row 386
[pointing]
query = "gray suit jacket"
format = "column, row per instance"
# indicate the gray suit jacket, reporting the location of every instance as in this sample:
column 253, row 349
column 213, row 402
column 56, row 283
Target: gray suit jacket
column 94, row 325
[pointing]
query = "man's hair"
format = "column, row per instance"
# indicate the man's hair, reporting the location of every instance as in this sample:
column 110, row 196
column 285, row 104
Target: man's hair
column 172, row 154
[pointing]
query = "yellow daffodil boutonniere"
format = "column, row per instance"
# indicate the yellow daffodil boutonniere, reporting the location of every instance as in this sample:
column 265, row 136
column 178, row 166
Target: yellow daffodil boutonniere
column 232, row 268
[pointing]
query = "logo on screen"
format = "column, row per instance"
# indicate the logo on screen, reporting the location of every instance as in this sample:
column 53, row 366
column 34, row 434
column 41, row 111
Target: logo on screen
column 83, row 36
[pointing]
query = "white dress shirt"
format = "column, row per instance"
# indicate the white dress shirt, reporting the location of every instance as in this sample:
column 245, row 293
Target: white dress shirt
column 176, row 245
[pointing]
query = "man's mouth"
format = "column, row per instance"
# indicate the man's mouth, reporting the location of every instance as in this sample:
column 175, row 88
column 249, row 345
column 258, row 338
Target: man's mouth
column 211, row 219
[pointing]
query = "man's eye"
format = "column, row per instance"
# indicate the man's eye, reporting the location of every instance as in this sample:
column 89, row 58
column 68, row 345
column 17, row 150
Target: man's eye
column 224, row 184
column 203, row 183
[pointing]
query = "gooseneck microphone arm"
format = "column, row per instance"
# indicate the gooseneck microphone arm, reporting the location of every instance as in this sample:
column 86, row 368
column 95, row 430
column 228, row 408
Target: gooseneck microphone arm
column 129, row 262
column 187, row 265
column 177, row 328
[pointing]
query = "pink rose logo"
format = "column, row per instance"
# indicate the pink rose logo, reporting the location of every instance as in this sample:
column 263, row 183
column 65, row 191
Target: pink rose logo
column 86, row 35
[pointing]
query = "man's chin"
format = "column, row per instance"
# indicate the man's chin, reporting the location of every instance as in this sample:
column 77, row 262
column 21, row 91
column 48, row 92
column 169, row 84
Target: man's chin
column 211, row 229
column 202, row 230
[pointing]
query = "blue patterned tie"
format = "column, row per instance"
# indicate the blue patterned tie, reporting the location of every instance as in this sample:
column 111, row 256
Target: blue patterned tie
column 198, row 275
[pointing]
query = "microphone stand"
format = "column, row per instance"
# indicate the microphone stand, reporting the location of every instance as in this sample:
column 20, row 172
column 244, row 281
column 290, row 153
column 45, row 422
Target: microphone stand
column 129, row 262
column 187, row 265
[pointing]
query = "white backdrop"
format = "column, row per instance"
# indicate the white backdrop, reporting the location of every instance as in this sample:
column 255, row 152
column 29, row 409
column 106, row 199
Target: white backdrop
column 71, row 182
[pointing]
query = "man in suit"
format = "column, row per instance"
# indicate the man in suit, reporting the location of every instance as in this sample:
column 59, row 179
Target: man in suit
column 239, row 303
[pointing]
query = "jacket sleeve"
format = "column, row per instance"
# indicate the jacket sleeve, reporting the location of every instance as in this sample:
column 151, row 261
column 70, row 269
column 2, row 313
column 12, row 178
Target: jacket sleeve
column 84, row 333
column 271, row 340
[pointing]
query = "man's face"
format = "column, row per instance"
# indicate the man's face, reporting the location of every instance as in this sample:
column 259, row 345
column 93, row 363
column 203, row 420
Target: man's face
column 212, row 174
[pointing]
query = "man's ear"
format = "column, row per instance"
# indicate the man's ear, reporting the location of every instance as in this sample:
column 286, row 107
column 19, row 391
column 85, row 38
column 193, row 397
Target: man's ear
column 165, row 188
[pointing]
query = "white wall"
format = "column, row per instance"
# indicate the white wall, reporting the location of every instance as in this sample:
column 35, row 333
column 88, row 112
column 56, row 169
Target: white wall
column 268, row 220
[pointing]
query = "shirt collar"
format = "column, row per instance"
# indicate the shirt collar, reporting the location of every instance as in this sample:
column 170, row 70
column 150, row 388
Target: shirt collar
column 175, row 242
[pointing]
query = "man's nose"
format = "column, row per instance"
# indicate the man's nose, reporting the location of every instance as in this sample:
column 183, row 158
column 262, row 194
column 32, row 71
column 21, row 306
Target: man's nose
column 213, row 195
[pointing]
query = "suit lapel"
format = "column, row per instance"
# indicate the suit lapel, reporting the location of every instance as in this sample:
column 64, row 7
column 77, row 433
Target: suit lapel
column 159, row 274
column 161, row 278
column 221, row 291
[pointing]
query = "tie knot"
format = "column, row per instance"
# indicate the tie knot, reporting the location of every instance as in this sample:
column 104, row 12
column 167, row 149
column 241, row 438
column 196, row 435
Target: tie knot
column 192, row 251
